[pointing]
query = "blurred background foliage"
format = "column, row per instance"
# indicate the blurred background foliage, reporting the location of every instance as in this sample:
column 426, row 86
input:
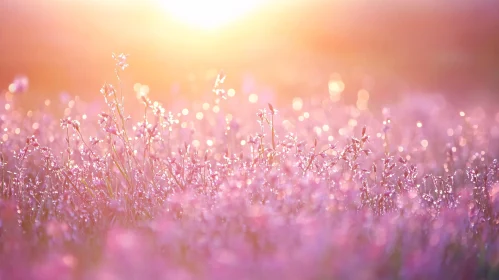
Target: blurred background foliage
column 387, row 47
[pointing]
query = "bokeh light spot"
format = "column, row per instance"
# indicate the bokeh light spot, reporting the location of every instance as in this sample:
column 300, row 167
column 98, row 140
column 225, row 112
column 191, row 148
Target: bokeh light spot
column 253, row 98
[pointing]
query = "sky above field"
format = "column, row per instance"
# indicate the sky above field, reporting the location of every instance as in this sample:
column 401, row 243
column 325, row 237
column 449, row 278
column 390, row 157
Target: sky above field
column 449, row 46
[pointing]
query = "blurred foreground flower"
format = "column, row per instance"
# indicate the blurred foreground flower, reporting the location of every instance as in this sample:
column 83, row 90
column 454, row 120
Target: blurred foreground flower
column 19, row 85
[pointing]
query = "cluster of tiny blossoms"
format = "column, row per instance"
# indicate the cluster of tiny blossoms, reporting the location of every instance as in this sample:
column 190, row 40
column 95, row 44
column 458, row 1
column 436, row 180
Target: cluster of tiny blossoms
column 221, row 190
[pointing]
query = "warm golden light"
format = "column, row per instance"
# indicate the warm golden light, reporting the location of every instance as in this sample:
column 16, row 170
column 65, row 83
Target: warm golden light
column 209, row 14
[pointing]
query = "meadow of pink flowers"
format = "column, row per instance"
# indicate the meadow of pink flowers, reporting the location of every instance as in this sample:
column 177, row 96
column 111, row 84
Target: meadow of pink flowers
column 229, row 189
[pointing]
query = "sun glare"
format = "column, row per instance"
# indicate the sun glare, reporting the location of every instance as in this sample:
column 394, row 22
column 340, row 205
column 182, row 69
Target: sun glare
column 208, row 14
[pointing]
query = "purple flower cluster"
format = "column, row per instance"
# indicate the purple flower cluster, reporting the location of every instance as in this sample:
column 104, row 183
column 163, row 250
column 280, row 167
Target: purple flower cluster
column 318, row 191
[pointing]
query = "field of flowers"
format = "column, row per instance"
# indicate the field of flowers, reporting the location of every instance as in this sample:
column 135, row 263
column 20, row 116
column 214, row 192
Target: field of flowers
column 231, row 188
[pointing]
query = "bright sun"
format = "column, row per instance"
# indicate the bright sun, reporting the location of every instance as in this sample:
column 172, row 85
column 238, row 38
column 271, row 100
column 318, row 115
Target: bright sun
column 209, row 14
